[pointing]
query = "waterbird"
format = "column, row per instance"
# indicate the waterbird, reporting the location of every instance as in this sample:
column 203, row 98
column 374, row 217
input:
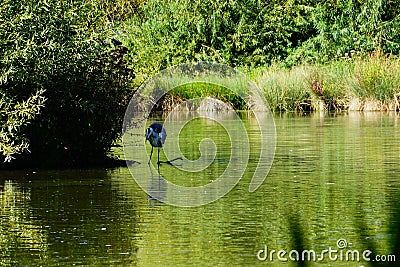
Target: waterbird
column 156, row 136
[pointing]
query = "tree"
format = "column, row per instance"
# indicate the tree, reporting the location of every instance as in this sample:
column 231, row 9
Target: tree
column 59, row 52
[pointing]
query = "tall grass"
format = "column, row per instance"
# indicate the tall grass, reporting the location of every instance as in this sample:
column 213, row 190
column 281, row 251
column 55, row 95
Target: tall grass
column 332, row 86
column 377, row 77
column 283, row 89
column 368, row 83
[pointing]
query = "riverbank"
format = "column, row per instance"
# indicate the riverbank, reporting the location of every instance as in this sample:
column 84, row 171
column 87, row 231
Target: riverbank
column 370, row 83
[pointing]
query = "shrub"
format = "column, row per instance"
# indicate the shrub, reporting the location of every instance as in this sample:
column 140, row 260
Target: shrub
column 350, row 28
column 59, row 50
column 237, row 33
column 256, row 33
column 13, row 116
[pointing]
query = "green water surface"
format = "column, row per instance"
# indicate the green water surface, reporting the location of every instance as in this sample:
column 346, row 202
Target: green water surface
column 333, row 177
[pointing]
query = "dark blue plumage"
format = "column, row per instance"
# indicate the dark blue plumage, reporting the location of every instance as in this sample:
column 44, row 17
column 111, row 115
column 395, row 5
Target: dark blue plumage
column 156, row 136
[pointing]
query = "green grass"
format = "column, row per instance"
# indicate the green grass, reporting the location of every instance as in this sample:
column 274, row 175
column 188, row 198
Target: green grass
column 308, row 87
column 335, row 84
column 377, row 78
column 202, row 90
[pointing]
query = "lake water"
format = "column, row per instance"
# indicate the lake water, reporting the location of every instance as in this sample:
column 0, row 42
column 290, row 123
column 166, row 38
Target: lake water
column 333, row 185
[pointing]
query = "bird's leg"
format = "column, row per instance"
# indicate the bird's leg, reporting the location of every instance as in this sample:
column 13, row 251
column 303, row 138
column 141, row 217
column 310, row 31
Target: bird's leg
column 151, row 154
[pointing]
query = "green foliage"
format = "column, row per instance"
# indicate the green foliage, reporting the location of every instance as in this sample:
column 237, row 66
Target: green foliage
column 59, row 52
column 13, row 116
column 202, row 90
column 256, row 33
column 377, row 77
column 61, row 47
column 239, row 32
column 116, row 11
column 331, row 35
column 350, row 28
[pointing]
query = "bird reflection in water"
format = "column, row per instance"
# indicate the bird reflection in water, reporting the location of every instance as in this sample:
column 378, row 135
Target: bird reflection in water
column 157, row 191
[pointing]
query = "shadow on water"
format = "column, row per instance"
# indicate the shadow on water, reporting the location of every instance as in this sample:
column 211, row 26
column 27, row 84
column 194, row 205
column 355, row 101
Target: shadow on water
column 393, row 232
column 298, row 237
